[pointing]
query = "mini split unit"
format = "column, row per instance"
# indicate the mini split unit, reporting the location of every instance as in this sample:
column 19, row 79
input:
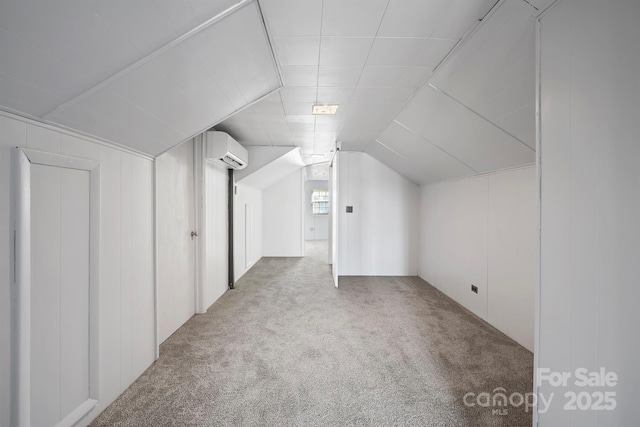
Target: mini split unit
column 223, row 149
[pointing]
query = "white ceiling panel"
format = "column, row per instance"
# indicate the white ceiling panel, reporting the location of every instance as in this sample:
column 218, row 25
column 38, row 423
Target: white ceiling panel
column 108, row 117
column 382, row 94
column 205, row 9
column 394, row 51
column 373, row 57
column 493, row 72
column 18, row 96
column 140, row 22
column 31, row 72
column 352, row 18
column 176, row 87
column 413, row 18
column 432, row 52
column 339, row 76
column 345, row 50
column 184, row 16
column 268, row 109
column 242, row 46
column 399, row 163
column 518, row 121
column 364, row 121
column 71, row 33
column 297, row 50
column 382, row 76
column 461, row 16
column 152, row 91
column 297, row 108
column 298, row 94
column 423, row 153
column 465, row 135
column 415, row 76
column 414, row 113
column 337, row 95
column 293, row 17
column 299, row 75
column 274, row 171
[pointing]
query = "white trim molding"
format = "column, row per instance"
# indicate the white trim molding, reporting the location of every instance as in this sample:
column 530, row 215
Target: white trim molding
column 21, row 283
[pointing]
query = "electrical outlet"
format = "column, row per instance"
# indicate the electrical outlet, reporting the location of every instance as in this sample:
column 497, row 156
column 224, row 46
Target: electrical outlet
column 474, row 288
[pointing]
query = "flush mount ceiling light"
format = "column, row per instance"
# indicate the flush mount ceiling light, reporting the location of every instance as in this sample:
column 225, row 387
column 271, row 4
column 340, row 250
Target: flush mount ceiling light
column 325, row 109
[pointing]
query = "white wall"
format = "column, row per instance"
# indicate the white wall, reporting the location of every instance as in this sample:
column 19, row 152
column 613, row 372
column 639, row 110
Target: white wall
column 283, row 217
column 176, row 218
column 334, row 240
column 316, row 227
column 482, row 231
column 590, row 203
column 379, row 237
column 127, row 325
column 216, row 248
column 247, row 249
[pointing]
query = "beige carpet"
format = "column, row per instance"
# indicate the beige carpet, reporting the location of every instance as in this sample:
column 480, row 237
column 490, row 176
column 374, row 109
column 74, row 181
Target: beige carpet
column 285, row 348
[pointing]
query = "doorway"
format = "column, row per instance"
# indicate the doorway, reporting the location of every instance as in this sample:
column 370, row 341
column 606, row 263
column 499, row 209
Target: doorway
column 317, row 211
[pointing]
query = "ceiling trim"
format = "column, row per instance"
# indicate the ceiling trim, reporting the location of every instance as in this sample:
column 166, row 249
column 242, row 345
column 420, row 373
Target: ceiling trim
column 270, row 42
column 158, row 52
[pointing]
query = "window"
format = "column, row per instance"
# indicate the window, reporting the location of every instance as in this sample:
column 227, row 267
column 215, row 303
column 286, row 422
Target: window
column 320, row 201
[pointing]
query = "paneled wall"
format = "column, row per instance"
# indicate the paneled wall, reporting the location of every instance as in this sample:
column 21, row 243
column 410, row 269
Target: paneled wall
column 590, row 204
column 216, row 247
column 247, row 235
column 283, row 217
column 127, row 345
column 481, row 231
column 379, row 237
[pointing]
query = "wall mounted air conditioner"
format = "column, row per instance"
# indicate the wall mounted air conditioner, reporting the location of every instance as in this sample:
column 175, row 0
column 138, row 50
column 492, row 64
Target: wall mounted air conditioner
column 223, row 149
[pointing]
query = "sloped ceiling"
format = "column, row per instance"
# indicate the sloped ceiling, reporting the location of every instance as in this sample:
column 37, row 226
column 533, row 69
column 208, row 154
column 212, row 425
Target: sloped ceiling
column 147, row 74
column 423, row 85
column 369, row 56
column 274, row 171
column 477, row 112
column 436, row 89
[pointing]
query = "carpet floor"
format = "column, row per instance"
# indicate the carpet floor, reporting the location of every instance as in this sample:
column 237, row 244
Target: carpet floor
column 285, row 348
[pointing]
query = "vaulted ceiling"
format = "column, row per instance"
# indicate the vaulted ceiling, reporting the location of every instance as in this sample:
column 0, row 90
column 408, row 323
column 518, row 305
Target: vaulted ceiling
column 436, row 89
column 147, row 74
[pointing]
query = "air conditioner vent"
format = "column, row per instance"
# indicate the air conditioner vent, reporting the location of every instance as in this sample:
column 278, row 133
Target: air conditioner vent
column 223, row 149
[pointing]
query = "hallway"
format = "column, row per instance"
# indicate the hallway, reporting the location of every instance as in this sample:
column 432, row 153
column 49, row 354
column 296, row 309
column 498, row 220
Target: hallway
column 286, row 348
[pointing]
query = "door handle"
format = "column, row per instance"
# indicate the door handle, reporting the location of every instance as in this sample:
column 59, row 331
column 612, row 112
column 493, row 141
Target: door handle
column 194, row 234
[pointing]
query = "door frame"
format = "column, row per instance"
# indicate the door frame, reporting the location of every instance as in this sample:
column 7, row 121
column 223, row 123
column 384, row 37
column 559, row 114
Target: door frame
column 21, row 280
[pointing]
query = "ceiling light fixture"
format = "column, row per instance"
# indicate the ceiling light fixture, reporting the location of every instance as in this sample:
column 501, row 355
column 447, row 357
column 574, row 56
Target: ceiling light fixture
column 325, row 109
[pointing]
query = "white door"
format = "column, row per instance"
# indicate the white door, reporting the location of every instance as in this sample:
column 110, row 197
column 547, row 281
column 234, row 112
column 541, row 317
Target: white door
column 176, row 246
column 56, row 223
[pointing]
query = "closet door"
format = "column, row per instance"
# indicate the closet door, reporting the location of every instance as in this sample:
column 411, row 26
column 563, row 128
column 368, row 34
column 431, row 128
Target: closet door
column 56, row 223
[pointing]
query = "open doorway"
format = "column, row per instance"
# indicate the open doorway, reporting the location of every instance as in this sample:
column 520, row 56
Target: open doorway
column 317, row 211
